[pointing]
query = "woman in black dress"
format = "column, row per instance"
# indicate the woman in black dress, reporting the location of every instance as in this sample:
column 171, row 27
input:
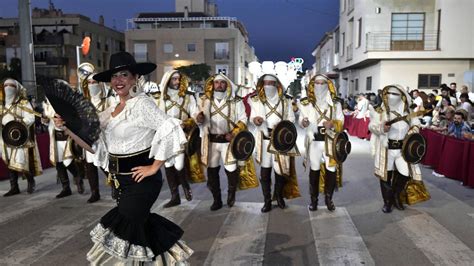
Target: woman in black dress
column 137, row 138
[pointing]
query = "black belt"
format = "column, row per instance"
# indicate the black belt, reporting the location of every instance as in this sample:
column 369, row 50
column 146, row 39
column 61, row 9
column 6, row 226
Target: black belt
column 218, row 138
column 394, row 144
column 122, row 164
column 60, row 135
column 320, row 135
column 269, row 134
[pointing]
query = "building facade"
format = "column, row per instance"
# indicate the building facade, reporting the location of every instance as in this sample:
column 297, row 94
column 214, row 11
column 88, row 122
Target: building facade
column 55, row 37
column 415, row 43
column 194, row 34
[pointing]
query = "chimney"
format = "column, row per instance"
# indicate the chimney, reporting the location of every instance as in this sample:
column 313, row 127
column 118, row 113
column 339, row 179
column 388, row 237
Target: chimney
column 186, row 12
column 101, row 20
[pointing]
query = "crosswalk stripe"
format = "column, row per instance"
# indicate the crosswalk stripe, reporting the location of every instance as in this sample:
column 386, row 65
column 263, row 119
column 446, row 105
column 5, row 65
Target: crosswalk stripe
column 337, row 240
column 436, row 242
column 25, row 206
column 30, row 249
column 241, row 239
column 178, row 213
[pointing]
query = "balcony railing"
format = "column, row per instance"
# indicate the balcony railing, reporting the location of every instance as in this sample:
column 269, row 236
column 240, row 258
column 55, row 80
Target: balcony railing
column 349, row 52
column 386, row 41
column 141, row 57
column 51, row 61
column 222, row 55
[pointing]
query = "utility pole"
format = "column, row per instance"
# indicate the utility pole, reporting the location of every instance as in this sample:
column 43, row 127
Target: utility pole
column 27, row 48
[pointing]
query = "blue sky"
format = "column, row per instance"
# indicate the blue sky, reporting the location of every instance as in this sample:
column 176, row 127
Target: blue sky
column 278, row 29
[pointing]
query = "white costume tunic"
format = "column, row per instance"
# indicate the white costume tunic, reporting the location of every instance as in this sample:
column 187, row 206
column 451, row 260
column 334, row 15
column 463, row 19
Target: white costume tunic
column 391, row 159
column 216, row 123
column 59, row 151
column 17, row 159
column 315, row 150
column 282, row 111
column 180, row 108
column 362, row 107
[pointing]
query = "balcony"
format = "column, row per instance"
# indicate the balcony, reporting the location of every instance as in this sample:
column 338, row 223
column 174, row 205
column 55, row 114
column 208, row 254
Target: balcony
column 141, row 57
column 222, row 55
column 51, row 61
column 48, row 40
column 386, row 41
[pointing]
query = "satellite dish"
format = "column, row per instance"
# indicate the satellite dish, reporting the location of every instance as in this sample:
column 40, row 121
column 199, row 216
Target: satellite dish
column 86, row 44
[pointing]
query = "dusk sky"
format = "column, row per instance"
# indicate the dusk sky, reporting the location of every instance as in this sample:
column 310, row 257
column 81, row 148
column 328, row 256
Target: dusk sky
column 278, row 29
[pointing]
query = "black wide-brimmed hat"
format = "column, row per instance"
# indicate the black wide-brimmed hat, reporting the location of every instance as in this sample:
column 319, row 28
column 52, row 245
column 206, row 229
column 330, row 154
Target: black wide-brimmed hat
column 123, row 60
column 414, row 148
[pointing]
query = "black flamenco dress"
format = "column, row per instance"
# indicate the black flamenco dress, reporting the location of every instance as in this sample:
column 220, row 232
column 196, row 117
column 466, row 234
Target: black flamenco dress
column 129, row 234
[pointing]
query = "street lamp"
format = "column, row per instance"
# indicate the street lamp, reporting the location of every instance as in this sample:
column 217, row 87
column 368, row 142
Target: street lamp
column 85, row 46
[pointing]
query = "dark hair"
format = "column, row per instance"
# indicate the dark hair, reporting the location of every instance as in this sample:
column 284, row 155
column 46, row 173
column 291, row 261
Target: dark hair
column 435, row 91
column 447, row 99
column 465, row 96
column 453, row 83
column 461, row 114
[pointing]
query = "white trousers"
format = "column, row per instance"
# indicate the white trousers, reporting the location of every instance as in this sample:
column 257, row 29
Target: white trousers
column 177, row 162
column 317, row 155
column 269, row 160
column 395, row 160
column 217, row 153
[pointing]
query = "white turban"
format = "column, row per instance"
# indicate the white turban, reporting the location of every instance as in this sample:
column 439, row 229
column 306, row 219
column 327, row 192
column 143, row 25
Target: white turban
column 220, row 77
column 269, row 78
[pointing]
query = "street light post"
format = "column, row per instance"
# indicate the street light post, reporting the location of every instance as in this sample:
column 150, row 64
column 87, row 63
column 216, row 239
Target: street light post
column 78, row 62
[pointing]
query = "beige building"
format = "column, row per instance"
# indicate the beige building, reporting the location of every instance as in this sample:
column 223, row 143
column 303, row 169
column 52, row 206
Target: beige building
column 55, row 37
column 414, row 43
column 194, row 34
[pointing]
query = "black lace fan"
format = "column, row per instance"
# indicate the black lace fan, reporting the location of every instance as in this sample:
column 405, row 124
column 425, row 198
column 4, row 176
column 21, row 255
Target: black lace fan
column 79, row 114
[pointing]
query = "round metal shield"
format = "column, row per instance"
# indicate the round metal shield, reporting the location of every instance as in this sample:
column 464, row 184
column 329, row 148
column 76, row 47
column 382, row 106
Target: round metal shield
column 15, row 134
column 283, row 137
column 242, row 145
column 342, row 147
column 414, row 148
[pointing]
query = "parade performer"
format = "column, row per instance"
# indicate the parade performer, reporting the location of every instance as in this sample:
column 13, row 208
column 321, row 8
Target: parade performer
column 178, row 102
column 321, row 113
column 221, row 117
column 391, row 124
column 269, row 106
column 97, row 94
column 18, row 142
column 61, row 152
column 136, row 139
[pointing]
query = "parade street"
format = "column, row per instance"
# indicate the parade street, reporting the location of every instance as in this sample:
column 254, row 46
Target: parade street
column 38, row 229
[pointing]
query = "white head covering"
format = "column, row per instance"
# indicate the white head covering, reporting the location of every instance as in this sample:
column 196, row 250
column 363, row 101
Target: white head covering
column 12, row 92
column 269, row 78
column 220, row 77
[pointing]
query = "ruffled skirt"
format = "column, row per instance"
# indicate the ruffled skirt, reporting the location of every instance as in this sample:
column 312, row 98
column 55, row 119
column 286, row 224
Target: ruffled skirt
column 130, row 235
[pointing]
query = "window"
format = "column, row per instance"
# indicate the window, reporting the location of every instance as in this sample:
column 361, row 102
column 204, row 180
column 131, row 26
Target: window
column 167, row 48
column 98, row 45
column 356, row 85
column 368, row 84
column 191, row 47
column 359, row 32
column 343, row 43
column 343, row 6
column 141, row 52
column 222, row 50
column 224, row 69
column 407, row 31
column 429, row 81
column 336, row 42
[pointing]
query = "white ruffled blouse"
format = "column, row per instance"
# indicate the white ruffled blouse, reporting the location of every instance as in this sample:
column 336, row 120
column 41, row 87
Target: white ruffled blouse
column 140, row 125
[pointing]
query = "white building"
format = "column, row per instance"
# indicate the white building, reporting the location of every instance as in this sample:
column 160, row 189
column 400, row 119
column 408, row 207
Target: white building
column 193, row 34
column 414, row 43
